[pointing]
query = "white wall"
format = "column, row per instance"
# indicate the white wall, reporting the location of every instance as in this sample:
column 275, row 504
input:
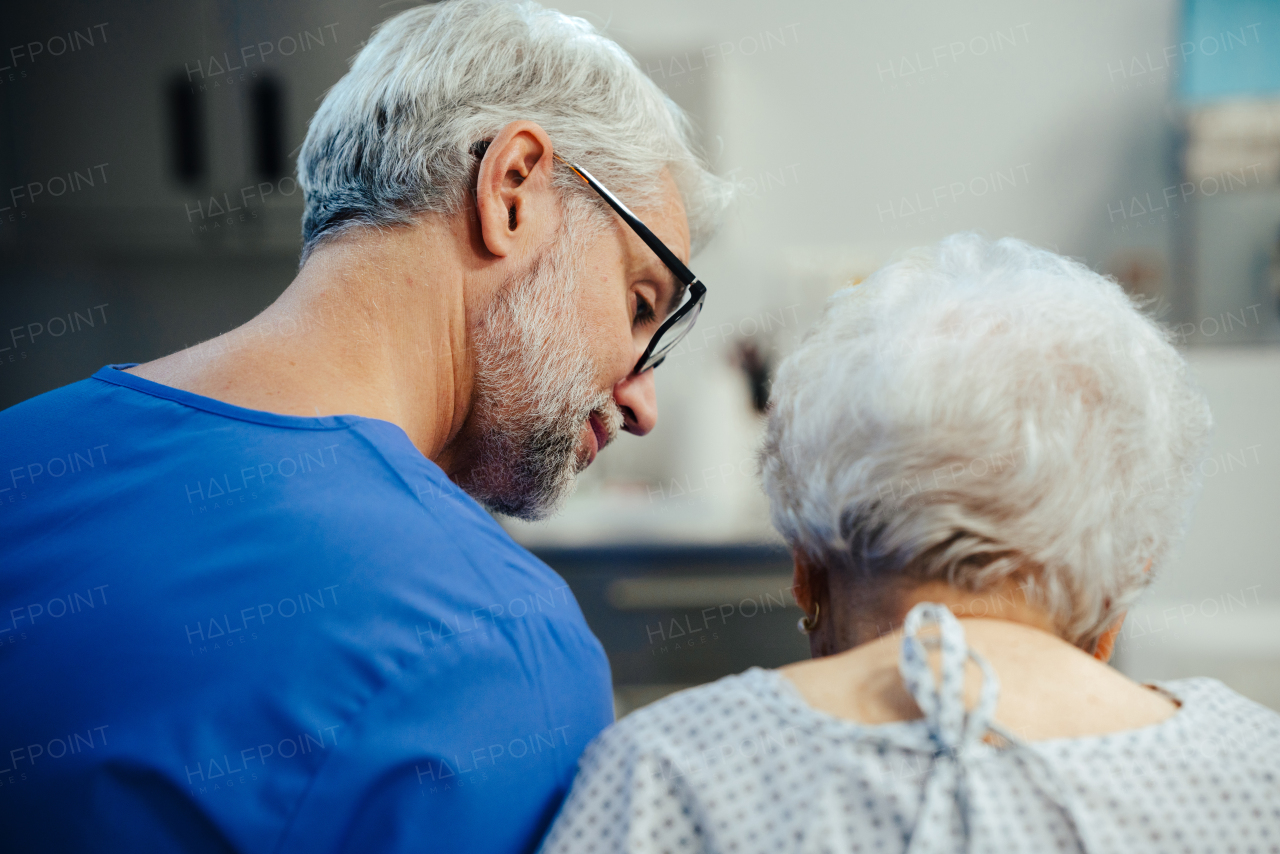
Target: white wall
column 808, row 106
column 821, row 107
column 1215, row 610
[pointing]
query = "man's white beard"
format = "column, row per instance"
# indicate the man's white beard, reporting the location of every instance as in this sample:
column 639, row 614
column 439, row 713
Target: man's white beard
column 535, row 390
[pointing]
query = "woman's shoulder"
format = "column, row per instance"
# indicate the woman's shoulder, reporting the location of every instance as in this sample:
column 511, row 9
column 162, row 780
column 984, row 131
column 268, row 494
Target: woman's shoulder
column 692, row 763
column 1214, row 728
column 1210, row 706
column 742, row 713
column 692, row 713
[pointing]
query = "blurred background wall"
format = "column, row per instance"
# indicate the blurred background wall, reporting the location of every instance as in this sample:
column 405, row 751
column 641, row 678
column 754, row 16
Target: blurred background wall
column 146, row 161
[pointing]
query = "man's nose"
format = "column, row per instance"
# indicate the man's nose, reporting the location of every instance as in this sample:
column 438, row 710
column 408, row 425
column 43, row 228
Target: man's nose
column 637, row 397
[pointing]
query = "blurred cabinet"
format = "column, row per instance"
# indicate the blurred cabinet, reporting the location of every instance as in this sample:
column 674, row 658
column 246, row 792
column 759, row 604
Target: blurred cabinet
column 177, row 130
column 675, row 616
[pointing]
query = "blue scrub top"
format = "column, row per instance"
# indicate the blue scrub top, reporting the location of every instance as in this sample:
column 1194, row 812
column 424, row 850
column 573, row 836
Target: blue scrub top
column 230, row 630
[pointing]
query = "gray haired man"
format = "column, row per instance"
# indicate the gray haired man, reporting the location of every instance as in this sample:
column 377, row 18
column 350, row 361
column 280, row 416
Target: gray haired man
column 320, row 641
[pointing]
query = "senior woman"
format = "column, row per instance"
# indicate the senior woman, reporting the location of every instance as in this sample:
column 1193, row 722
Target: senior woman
column 978, row 459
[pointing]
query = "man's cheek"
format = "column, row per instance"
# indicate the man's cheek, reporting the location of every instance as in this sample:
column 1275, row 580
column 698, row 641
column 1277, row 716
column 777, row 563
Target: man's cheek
column 613, row 359
column 612, row 345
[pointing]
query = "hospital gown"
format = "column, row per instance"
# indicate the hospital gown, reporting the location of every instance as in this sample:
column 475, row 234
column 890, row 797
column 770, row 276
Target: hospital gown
column 745, row 765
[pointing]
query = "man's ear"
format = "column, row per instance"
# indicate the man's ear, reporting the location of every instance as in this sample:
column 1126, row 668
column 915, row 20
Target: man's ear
column 514, row 198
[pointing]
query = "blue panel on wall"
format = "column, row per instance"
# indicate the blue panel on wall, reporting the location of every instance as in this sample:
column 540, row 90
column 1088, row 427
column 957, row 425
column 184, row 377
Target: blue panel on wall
column 1230, row 49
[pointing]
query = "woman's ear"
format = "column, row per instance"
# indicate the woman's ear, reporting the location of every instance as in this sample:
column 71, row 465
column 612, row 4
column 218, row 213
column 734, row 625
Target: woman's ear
column 514, row 196
column 1107, row 643
column 810, row 587
column 802, row 583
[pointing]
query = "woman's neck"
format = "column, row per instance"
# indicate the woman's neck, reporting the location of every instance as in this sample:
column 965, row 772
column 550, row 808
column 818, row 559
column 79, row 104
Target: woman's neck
column 869, row 615
column 1048, row 688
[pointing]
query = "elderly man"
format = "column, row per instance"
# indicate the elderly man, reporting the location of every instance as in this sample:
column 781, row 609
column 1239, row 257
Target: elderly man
column 246, row 605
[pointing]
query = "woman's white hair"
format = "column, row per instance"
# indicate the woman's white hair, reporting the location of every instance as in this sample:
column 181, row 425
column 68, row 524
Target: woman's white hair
column 979, row 411
column 394, row 137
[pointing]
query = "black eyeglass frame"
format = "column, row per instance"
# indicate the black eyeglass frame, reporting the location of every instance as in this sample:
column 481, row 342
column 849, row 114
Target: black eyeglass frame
column 696, row 290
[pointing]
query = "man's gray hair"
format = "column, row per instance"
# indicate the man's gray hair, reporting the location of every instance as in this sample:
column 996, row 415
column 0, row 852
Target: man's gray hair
column 393, row 138
column 980, row 411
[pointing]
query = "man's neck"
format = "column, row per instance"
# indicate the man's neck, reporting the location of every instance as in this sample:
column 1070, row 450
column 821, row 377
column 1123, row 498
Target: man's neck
column 375, row 324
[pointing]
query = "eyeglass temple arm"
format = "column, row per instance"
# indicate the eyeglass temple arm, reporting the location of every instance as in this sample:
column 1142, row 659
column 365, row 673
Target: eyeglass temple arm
column 673, row 263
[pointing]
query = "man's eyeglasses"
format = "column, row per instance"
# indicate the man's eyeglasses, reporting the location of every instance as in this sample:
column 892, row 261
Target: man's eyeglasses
column 680, row 322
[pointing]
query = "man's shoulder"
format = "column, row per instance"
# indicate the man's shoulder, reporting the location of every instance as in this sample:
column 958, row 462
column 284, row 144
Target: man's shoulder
column 39, row 412
column 237, row 498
